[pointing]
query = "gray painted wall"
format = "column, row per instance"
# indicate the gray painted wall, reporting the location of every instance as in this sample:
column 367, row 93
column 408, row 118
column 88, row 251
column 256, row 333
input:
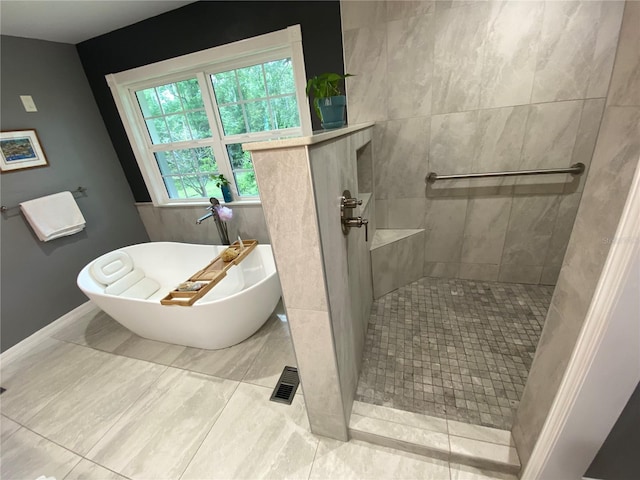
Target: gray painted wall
column 618, row 458
column 39, row 279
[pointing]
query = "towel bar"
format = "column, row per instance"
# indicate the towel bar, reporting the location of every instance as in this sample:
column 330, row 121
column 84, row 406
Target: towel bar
column 77, row 190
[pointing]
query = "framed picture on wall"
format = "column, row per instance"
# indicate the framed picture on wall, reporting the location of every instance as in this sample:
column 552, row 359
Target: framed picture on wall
column 20, row 149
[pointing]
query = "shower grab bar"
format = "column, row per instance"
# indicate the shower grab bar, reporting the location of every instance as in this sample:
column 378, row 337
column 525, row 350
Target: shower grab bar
column 77, row 190
column 575, row 169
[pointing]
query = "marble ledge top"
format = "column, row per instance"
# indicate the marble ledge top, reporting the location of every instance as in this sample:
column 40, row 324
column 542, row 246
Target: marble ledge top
column 317, row 137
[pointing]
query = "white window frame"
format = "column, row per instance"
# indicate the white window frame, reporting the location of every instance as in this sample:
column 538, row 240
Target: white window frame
column 261, row 49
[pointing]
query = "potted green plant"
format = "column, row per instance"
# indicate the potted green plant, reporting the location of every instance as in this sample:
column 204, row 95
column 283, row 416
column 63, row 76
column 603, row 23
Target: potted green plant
column 328, row 101
column 223, row 184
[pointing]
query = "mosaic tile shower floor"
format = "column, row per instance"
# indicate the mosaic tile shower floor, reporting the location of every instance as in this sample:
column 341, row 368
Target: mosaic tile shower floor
column 452, row 348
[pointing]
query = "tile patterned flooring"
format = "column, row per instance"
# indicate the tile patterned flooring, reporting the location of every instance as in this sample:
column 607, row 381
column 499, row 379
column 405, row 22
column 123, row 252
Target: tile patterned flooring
column 95, row 401
column 453, row 348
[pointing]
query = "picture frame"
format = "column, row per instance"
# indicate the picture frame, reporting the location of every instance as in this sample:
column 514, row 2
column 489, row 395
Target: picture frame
column 20, row 150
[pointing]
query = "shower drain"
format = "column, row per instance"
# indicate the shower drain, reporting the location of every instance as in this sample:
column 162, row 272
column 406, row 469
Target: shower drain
column 286, row 386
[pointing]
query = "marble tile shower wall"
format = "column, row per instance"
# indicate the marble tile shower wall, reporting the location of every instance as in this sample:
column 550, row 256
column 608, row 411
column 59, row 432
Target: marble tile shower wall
column 466, row 86
column 178, row 224
column 615, row 162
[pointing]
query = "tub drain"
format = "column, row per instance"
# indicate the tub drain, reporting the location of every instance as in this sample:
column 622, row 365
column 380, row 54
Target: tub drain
column 286, row 386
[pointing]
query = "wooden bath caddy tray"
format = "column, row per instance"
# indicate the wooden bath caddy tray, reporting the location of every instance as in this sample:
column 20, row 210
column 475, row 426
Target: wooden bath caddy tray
column 211, row 275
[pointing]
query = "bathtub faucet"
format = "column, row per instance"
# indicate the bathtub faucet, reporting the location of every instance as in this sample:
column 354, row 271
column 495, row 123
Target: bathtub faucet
column 204, row 217
column 214, row 204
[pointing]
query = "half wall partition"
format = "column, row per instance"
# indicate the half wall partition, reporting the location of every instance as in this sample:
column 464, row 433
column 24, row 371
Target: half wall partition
column 325, row 274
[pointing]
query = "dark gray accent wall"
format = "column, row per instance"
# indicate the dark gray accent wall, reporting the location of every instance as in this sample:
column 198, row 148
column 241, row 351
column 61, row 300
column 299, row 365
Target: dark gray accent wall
column 196, row 27
column 618, row 457
column 39, row 279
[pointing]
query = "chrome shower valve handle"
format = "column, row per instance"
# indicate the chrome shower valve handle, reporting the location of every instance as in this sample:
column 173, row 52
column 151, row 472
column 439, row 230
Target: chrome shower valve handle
column 347, row 204
column 358, row 222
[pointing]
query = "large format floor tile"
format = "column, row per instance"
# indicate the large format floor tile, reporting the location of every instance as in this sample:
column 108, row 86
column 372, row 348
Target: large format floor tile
column 86, row 470
column 40, row 377
column 359, row 460
column 256, row 438
column 276, row 353
column 160, row 434
column 231, row 363
column 28, row 358
column 79, row 416
column 133, row 419
column 26, row 455
column 7, row 427
column 149, row 350
column 98, row 330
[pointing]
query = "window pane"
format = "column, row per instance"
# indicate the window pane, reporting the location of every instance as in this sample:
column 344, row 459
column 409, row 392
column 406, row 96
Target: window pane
column 196, row 186
column 158, row 130
column 167, row 163
column 225, row 87
column 190, row 94
column 258, row 116
column 199, row 125
column 246, row 182
column 148, row 102
column 187, row 172
column 255, row 109
column 174, row 187
column 251, row 82
column 174, row 112
column 185, row 161
column 232, row 120
column 205, row 160
column 169, row 99
column 280, row 77
column 239, row 158
column 242, row 170
column 285, row 112
column 178, row 128
column 191, row 186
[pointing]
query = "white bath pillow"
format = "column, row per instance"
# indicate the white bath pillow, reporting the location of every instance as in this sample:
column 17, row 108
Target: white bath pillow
column 125, row 283
column 111, row 267
column 142, row 290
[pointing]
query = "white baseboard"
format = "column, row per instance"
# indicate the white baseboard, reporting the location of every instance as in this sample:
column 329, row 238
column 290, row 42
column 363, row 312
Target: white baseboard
column 47, row 331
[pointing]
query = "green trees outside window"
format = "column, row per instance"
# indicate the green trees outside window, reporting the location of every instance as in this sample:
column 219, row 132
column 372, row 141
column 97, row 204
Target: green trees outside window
column 254, row 99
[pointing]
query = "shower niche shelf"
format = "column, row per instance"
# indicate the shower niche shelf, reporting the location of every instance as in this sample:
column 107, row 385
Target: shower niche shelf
column 210, row 276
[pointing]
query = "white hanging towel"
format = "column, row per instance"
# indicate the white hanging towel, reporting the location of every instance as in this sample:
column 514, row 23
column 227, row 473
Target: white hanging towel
column 54, row 216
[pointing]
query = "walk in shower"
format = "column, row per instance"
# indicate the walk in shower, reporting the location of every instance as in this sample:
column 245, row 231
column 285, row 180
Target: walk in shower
column 441, row 309
column 462, row 89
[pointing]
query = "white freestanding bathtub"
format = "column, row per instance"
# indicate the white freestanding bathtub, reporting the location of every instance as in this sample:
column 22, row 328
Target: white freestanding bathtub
column 228, row 314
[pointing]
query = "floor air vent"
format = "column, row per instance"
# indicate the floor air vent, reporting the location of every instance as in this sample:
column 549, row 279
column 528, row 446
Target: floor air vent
column 286, row 386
